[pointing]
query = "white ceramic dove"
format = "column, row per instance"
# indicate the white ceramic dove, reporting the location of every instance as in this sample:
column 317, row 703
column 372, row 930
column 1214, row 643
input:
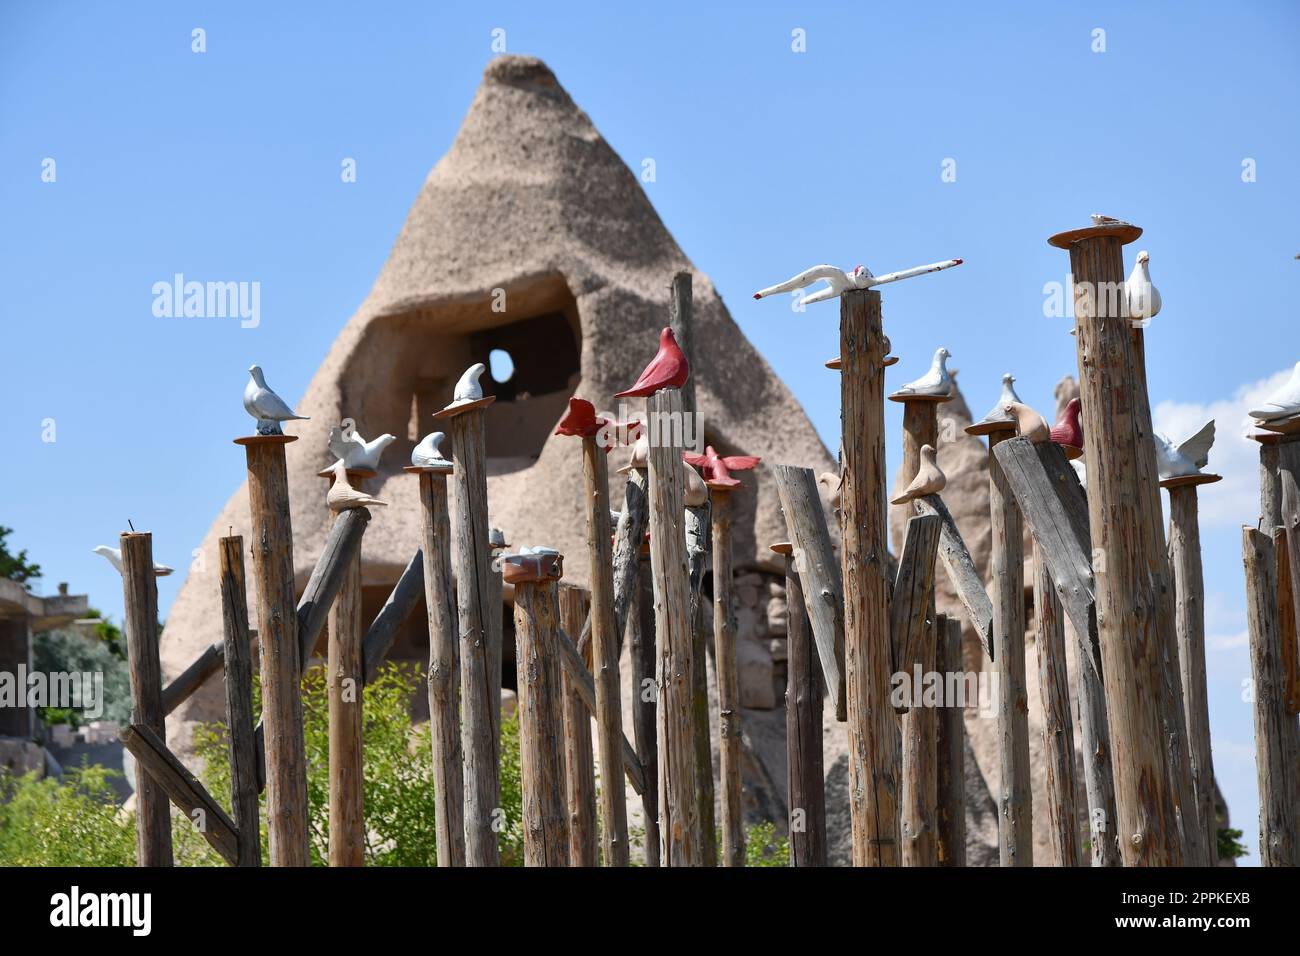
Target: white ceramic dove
column 936, row 382
column 355, row 452
column 1179, row 461
column 428, row 454
column 267, row 407
column 114, row 557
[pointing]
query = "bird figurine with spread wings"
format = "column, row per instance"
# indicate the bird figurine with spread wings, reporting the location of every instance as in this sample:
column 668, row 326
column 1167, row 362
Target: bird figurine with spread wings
column 267, row 407
column 1029, row 424
column 838, row 281
column 1068, row 432
column 581, row 421
column 114, row 557
column 717, row 469
column 355, row 452
column 935, row 383
column 668, row 369
column 1143, row 298
column 929, row 479
column 428, row 454
column 343, row 497
column 1282, row 404
column 1186, row 459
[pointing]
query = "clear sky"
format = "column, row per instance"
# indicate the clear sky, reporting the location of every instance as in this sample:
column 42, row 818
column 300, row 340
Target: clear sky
column 225, row 165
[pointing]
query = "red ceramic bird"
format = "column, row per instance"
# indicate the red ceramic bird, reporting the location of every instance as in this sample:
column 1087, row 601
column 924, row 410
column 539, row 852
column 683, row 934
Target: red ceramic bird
column 1067, row 432
column 717, row 469
column 668, row 369
column 581, row 421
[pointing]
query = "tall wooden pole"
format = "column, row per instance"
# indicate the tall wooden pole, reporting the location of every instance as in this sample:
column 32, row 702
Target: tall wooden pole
column 698, row 545
column 1058, row 723
column 679, row 824
column 1291, row 534
column 1015, row 799
column 874, row 756
column 277, row 632
column 444, row 666
column 1134, row 651
column 541, row 754
column 140, row 603
column 477, row 620
column 724, row 657
column 345, row 673
column 239, row 701
column 579, row 760
column 1185, row 559
column 641, row 651
column 950, row 747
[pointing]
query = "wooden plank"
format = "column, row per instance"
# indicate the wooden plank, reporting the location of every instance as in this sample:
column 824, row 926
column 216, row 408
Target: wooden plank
column 724, row 656
column 913, row 588
column 176, row 782
column 803, row 730
column 950, row 747
column 579, row 758
column 1058, row 723
column 962, row 573
column 238, row 657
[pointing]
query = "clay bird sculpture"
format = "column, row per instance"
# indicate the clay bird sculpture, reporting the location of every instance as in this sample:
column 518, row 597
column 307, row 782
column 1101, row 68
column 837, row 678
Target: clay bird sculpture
column 1284, row 403
column 1099, row 220
column 355, row 452
column 581, row 421
column 998, row 413
column 838, row 281
column 267, row 407
column 640, row 459
column 936, row 382
column 832, row 482
column 717, row 468
column 668, row 369
column 114, row 557
column 1143, row 298
column 468, row 388
column 1029, row 424
column 929, row 479
column 428, row 454
column 1188, row 458
column 343, row 497
column 1068, row 432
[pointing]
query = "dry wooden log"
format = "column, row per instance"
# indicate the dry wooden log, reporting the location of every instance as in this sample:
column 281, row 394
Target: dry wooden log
column 629, row 535
column 950, row 747
column 803, row 729
column 579, row 759
column 1291, row 524
column 1277, row 739
column 913, row 589
column 639, row 636
column 344, row 676
column 697, row 558
column 962, row 573
column 238, row 657
column 1058, row 723
column 174, row 780
column 209, row 662
column 342, row 545
column 724, row 656
column 819, row 573
column 140, row 603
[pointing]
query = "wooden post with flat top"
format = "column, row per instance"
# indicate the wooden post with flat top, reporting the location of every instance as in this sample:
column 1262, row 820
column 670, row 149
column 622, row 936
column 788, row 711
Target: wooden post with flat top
column 579, row 758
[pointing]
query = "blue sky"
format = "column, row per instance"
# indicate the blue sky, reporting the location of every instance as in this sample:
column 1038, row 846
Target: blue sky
column 226, row 165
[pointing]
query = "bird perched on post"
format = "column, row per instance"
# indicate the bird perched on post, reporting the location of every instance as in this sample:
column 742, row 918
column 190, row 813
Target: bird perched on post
column 668, row 369
column 833, row 482
column 267, row 407
column 343, row 497
column 935, row 383
column 428, row 454
column 1180, row 461
column 114, row 557
column 581, row 421
column 929, row 479
column 1284, row 403
column 838, row 281
column 355, row 452
column 1068, row 433
column 1143, row 298
column 717, row 469
column 1029, row 424
column 468, row 388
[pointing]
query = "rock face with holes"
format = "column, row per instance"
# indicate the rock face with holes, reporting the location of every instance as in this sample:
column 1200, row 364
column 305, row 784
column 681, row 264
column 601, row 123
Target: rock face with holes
column 533, row 238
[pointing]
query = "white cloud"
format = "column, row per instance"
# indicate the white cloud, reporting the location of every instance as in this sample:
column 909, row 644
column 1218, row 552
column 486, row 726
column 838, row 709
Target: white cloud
column 1235, row 500
column 1227, row 642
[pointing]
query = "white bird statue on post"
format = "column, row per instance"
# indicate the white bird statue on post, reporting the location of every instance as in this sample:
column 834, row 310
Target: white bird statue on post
column 1282, row 404
column 1143, row 298
column 114, row 557
column 838, row 281
column 267, row 407
column 468, row 388
column 343, row 497
column 998, row 413
column 936, row 382
column 929, row 479
column 428, row 454
column 1180, row 461
column 355, row 452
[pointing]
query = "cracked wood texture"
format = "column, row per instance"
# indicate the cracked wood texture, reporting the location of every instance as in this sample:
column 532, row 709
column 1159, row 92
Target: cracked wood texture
column 277, row 634
column 874, row 745
column 803, row 730
column 579, row 760
column 950, row 759
column 639, row 634
column 1291, row 525
column 541, row 748
column 962, row 573
column 1015, row 799
column 140, row 602
column 345, row 678
column 680, row 839
column 1058, row 722
column 698, row 545
column 238, row 657
column 444, row 670
column 724, row 657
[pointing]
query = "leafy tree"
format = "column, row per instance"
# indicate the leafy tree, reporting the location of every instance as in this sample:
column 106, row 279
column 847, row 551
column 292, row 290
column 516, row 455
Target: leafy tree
column 72, row 651
column 1230, row 845
column 16, row 567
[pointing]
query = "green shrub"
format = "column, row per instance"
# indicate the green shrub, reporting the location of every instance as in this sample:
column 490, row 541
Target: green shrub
column 1230, row 845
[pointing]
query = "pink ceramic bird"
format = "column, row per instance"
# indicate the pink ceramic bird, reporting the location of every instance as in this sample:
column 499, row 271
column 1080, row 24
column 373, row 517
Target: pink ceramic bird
column 668, row 369
column 1067, row 432
column 581, row 421
column 717, row 469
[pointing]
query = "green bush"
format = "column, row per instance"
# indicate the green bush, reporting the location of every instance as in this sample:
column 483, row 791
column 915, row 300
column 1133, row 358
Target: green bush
column 70, row 651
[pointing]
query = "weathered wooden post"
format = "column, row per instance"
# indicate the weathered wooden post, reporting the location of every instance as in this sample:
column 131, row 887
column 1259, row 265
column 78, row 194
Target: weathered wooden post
column 277, row 630
column 579, row 760
column 874, row 748
column 478, row 622
column 1291, row 533
column 641, row 651
column 541, row 753
column 1058, row 722
column 140, row 604
column 444, row 663
column 1279, row 464
column 950, row 748
column 1130, row 567
column 698, row 546
column 803, row 725
column 1276, row 753
column 345, row 676
column 239, row 700
column 1185, row 559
